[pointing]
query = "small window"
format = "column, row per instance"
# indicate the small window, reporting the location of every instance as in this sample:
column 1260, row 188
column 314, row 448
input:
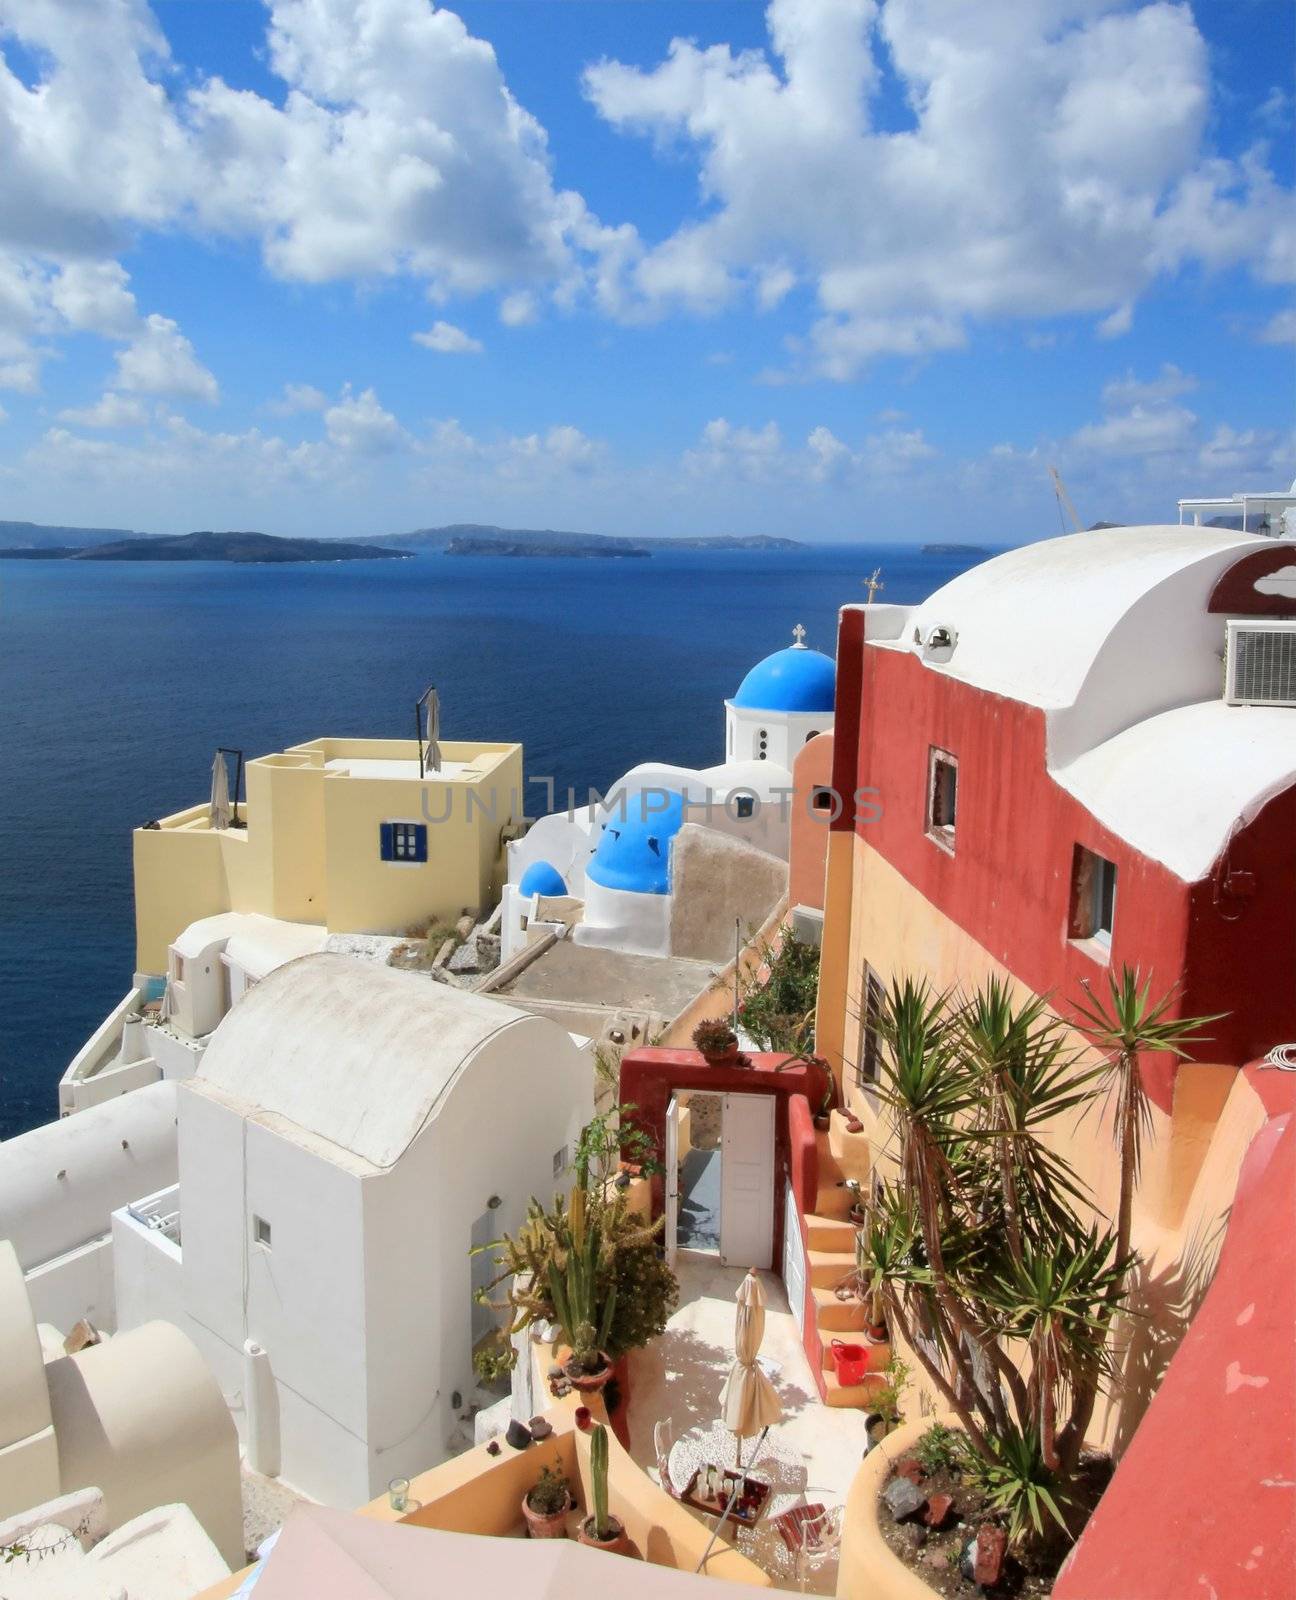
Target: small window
column 823, row 799
column 813, row 734
column 1093, row 897
column 762, row 744
column 260, row 1232
column 744, row 806
column 403, row 841
column 560, row 1161
column 870, row 1041
column 942, row 797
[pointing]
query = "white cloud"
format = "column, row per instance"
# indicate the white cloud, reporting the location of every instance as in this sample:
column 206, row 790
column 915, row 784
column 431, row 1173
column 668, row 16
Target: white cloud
column 160, row 360
column 518, row 309
column 1280, row 329
column 109, row 411
column 1118, row 324
column 23, row 375
column 760, row 455
column 298, row 397
column 1055, row 164
column 1169, row 384
column 358, row 424
column 448, row 340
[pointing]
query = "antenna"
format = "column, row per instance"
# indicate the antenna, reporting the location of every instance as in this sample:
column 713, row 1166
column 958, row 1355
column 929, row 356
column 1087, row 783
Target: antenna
column 1064, row 499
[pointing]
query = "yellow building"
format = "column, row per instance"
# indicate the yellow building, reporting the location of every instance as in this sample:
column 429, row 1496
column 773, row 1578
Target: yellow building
column 341, row 833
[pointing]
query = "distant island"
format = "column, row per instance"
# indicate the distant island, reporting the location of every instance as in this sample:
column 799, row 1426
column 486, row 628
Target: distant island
column 614, row 549
column 241, row 548
column 560, row 542
column 956, row 550
column 34, row 541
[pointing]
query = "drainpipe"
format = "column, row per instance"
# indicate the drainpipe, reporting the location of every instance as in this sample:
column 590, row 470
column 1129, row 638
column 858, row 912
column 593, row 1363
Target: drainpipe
column 262, row 1411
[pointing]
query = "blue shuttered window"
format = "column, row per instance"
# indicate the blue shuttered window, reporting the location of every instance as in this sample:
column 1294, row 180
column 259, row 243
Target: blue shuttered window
column 403, row 841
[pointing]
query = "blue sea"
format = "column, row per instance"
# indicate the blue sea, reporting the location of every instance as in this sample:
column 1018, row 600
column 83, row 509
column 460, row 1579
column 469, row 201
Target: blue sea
column 118, row 681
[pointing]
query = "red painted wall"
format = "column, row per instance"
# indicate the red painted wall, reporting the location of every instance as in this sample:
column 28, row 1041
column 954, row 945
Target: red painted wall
column 650, row 1077
column 1204, row 1499
column 1008, row 884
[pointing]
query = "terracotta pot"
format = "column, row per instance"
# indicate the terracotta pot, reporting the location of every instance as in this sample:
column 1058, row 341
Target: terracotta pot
column 823, row 1123
column 876, row 1333
column 721, row 1058
column 542, row 1525
column 590, row 1382
column 617, row 1545
column 858, row 1215
column 854, row 1125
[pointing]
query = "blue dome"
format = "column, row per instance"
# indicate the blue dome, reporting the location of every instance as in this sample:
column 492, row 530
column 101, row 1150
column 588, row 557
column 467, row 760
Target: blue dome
column 541, row 878
column 795, row 679
column 634, row 852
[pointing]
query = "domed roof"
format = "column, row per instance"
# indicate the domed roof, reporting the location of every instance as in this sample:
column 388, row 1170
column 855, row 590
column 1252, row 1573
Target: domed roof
column 542, row 877
column 794, row 679
column 634, row 852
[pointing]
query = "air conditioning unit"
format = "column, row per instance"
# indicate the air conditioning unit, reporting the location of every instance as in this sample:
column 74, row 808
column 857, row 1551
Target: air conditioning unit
column 1261, row 663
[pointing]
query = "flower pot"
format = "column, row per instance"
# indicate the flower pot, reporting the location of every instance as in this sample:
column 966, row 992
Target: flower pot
column 858, row 1215
column 590, row 1382
column 721, row 1058
column 618, row 1544
column 545, row 1525
column 823, row 1122
column 854, row 1125
column 876, row 1333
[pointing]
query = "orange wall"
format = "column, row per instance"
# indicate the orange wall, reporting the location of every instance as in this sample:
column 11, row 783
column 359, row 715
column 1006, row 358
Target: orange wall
column 808, row 847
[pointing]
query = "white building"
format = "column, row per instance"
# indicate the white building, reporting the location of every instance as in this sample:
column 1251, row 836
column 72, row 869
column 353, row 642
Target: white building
column 615, row 860
column 352, row 1131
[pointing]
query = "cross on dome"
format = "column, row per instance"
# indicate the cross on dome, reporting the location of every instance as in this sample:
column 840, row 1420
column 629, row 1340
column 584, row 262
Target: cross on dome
column 798, row 637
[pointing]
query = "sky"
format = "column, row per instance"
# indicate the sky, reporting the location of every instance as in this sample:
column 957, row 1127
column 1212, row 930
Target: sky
column 830, row 269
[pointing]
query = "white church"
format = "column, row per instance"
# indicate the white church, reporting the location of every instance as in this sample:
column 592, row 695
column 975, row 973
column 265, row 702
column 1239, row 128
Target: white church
column 614, row 861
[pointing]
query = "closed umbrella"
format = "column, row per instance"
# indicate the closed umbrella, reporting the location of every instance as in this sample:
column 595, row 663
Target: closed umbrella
column 219, row 810
column 750, row 1402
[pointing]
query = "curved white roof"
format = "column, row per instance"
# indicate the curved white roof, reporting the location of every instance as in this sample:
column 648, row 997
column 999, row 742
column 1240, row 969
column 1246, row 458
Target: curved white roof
column 1032, row 622
column 360, row 1055
column 258, row 944
column 1175, row 785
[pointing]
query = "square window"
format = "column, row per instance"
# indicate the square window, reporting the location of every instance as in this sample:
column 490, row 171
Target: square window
column 745, row 806
column 1093, row 897
column 403, row 841
column 560, row 1161
column 260, row 1231
column 823, row 799
column 942, row 796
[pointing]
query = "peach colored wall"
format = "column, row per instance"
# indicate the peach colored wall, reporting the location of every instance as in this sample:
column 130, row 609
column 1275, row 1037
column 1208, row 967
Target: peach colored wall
column 867, row 1570
column 808, row 845
column 1191, row 1161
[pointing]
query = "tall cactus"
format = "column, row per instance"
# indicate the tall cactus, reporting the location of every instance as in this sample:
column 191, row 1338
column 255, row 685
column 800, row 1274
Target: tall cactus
column 574, row 1287
column 599, row 1482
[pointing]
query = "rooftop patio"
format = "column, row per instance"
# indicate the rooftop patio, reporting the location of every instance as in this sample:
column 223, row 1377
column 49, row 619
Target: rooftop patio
column 811, row 1456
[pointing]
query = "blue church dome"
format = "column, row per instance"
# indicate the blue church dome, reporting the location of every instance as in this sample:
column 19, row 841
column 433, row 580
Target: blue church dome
column 634, row 852
column 541, row 878
column 795, row 679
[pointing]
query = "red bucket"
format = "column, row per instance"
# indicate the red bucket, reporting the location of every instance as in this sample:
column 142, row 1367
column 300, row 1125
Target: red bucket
column 851, row 1362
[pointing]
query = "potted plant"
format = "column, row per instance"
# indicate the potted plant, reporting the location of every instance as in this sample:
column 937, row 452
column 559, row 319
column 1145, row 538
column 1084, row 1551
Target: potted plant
column 584, row 1315
column 717, row 1042
column 602, row 1530
column 823, row 1117
column 858, row 1206
column 877, row 1253
column 546, row 1504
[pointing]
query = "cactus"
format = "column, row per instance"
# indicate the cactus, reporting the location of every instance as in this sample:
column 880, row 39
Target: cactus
column 573, row 1288
column 603, row 1528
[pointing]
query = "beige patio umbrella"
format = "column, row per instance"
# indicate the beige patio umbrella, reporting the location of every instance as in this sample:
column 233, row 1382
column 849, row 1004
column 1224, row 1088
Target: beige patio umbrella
column 749, row 1402
column 219, row 809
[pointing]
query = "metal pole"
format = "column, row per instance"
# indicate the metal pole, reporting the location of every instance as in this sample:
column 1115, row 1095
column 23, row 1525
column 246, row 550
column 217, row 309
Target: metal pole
column 737, row 958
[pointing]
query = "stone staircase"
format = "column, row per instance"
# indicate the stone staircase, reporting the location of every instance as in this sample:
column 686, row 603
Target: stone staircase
column 830, row 1260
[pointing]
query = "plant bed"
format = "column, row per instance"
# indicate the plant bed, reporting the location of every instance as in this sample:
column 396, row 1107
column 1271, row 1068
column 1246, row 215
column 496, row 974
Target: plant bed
column 934, row 1554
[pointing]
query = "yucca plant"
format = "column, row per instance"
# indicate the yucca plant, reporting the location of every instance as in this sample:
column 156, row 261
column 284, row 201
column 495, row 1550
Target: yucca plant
column 976, row 1249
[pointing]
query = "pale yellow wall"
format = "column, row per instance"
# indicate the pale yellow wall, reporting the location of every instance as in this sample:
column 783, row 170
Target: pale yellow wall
column 368, row 895
column 179, row 877
column 1191, row 1159
column 310, row 851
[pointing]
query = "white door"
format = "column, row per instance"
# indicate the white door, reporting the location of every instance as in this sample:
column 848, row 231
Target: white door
column 747, row 1181
column 672, row 1180
column 794, row 1266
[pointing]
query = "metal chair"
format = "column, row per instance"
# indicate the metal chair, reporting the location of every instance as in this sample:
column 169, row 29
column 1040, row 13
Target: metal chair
column 817, row 1542
column 663, row 1439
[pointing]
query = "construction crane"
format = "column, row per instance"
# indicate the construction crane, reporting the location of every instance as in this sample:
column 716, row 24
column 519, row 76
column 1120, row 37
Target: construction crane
column 1064, row 499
